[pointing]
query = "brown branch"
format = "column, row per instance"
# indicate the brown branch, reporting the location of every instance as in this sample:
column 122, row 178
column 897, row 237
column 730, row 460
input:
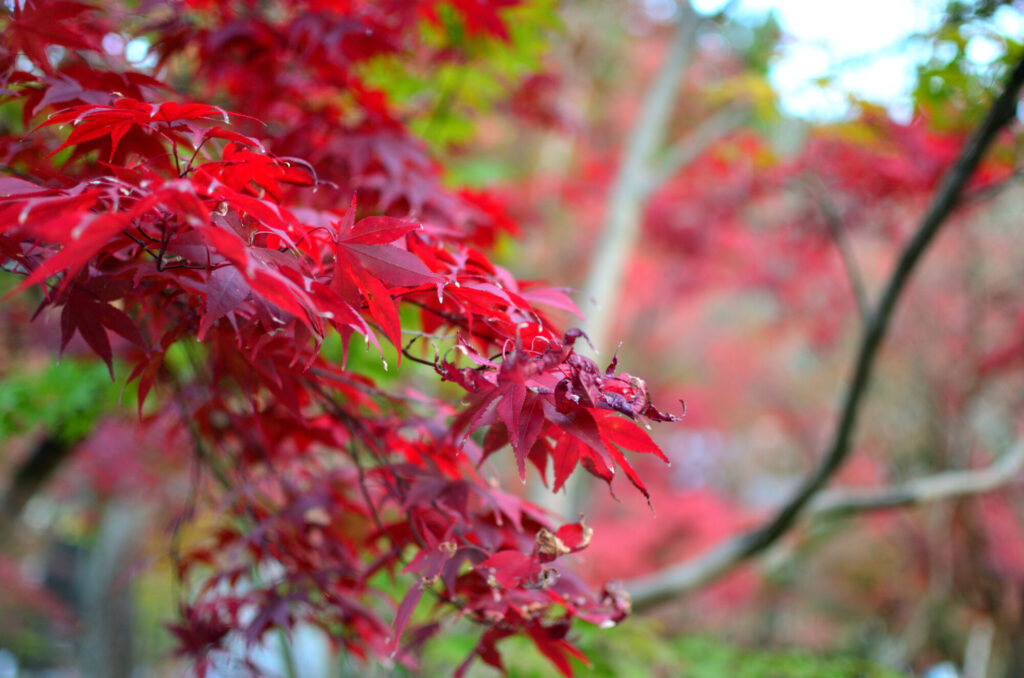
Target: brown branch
column 688, row 575
column 416, row 359
column 456, row 320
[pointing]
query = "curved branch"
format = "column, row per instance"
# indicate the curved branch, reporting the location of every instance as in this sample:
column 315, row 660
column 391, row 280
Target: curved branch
column 648, row 591
column 689, row 574
column 938, row 487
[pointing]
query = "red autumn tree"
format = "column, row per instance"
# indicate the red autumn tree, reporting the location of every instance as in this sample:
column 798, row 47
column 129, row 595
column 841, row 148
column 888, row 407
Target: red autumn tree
column 240, row 193
column 214, row 199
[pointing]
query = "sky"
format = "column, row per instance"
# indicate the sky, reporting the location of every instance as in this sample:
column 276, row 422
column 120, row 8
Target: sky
column 864, row 43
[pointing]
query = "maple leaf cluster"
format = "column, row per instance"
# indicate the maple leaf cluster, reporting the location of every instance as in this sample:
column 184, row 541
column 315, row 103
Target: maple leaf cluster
column 155, row 223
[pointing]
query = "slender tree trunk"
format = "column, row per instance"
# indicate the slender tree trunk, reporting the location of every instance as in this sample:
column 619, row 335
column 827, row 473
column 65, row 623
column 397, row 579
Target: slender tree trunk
column 107, row 602
column 602, row 289
column 623, row 211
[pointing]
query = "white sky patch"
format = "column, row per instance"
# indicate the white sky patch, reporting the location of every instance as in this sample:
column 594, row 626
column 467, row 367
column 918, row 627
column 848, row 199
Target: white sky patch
column 137, row 52
column 862, row 45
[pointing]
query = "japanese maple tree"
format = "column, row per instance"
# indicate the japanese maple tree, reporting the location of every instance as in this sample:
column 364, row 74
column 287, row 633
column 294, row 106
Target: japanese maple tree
column 243, row 192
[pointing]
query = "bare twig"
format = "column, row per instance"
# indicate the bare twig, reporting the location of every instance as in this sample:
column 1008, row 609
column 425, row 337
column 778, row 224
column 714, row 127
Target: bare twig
column 687, row 575
column 208, row 459
column 9, row 169
column 416, row 359
column 698, row 140
column 938, row 487
column 205, row 456
column 834, row 222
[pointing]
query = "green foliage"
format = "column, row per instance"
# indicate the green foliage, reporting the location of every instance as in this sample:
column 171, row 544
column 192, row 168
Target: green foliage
column 479, row 171
column 756, row 40
column 959, row 11
column 956, row 84
column 640, row 649
column 444, row 99
column 66, row 399
column 708, row 658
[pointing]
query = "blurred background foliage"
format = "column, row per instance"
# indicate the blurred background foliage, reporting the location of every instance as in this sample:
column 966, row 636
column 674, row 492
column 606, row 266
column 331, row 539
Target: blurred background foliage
column 641, row 649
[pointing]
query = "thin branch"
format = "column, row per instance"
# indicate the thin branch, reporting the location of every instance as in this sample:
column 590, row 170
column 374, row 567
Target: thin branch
column 834, row 222
column 456, row 320
column 356, row 428
column 202, row 452
column 371, row 391
column 416, row 359
column 10, row 169
column 158, row 257
column 192, row 158
column 186, row 514
column 365, row 490
column 1001, row 113
column 429, row 335
column 698, row 140
column 200, row 449
column 691, row 575
column 938, row 487
column 687, row 575
column 622, row 212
